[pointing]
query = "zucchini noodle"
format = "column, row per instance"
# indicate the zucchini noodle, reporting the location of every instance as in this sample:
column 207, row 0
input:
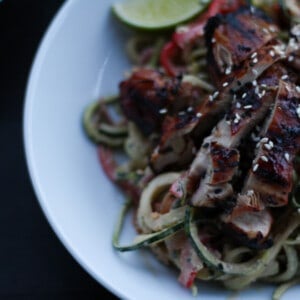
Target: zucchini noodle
column 284, row 287
column 100, row 128
column 137, row 47
column 153, row 221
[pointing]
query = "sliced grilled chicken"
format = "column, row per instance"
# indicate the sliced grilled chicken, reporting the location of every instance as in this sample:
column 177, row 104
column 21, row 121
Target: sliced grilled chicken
column 271, row 174
column 234, row 37
column 205, row 116
column 249, row 108
column 249, row 217
column 221, row 163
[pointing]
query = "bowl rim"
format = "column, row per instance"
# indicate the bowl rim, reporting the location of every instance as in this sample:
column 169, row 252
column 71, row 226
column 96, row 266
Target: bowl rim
column 47, row 38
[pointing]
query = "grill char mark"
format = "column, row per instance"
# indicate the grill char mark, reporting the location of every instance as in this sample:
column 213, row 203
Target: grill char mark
column 224, row 163
column 232, row 38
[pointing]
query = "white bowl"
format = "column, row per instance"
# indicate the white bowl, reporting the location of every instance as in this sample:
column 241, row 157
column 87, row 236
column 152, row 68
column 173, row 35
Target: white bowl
column 82, row 57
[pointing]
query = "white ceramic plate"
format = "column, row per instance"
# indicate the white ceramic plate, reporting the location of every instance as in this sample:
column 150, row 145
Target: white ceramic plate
column 81, row 58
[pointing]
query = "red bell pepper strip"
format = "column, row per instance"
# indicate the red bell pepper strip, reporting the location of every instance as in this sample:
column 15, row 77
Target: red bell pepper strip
column 196, row 28
column 168, row 57
column 180, row 39
column 109, row 166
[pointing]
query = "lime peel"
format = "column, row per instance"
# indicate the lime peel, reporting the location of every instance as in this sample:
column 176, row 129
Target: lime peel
column 157, row 14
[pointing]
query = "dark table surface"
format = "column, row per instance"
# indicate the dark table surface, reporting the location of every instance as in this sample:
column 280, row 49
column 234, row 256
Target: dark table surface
column 34, row 264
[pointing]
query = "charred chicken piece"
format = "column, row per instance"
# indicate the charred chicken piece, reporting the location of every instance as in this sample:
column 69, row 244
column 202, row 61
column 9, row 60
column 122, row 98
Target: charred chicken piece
column 234, row 37
column 271, row 174
column 145, row 96
column 222, row 163
column 177, row 150
column 249, row 222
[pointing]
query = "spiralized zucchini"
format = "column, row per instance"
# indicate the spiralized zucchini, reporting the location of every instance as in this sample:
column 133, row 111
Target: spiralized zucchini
column 99, row 128
column 150, row 221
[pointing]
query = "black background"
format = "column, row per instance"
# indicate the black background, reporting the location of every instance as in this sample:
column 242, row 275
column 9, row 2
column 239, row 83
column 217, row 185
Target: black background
column 33, row 263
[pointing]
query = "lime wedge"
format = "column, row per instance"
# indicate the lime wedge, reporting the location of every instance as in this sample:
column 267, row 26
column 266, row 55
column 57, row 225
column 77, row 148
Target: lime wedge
column 157, row 14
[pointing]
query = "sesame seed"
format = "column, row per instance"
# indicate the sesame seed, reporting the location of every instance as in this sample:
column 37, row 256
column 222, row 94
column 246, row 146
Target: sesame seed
column 225, row 84
column 248, row 106
column 238, row 105
column 228, row 122
column 244, row 95
column 291, row 58
column 236, row 121
column 294, row 44
column 272, row 28
column 237, row 116
column 296, row 31
column 254, row 71
column 211, row 98
column 292, row 41
column 250, row 193
column 198, row 115
column 265, row 30
column 255, row 60
column 264, row 158
column 268, row 146
column 254, row 83
column 287, row 156
column 190, row 109
column 271, row 144
column 264, row 140
column 216, row 94
column 298, row 89
column 163, row 111
column 252, row 9
column 280, row 50
column 272, row 53
column 213, row 40
column 255, row 167
column 284, row 77
column 228, row 70
column 253, row 55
